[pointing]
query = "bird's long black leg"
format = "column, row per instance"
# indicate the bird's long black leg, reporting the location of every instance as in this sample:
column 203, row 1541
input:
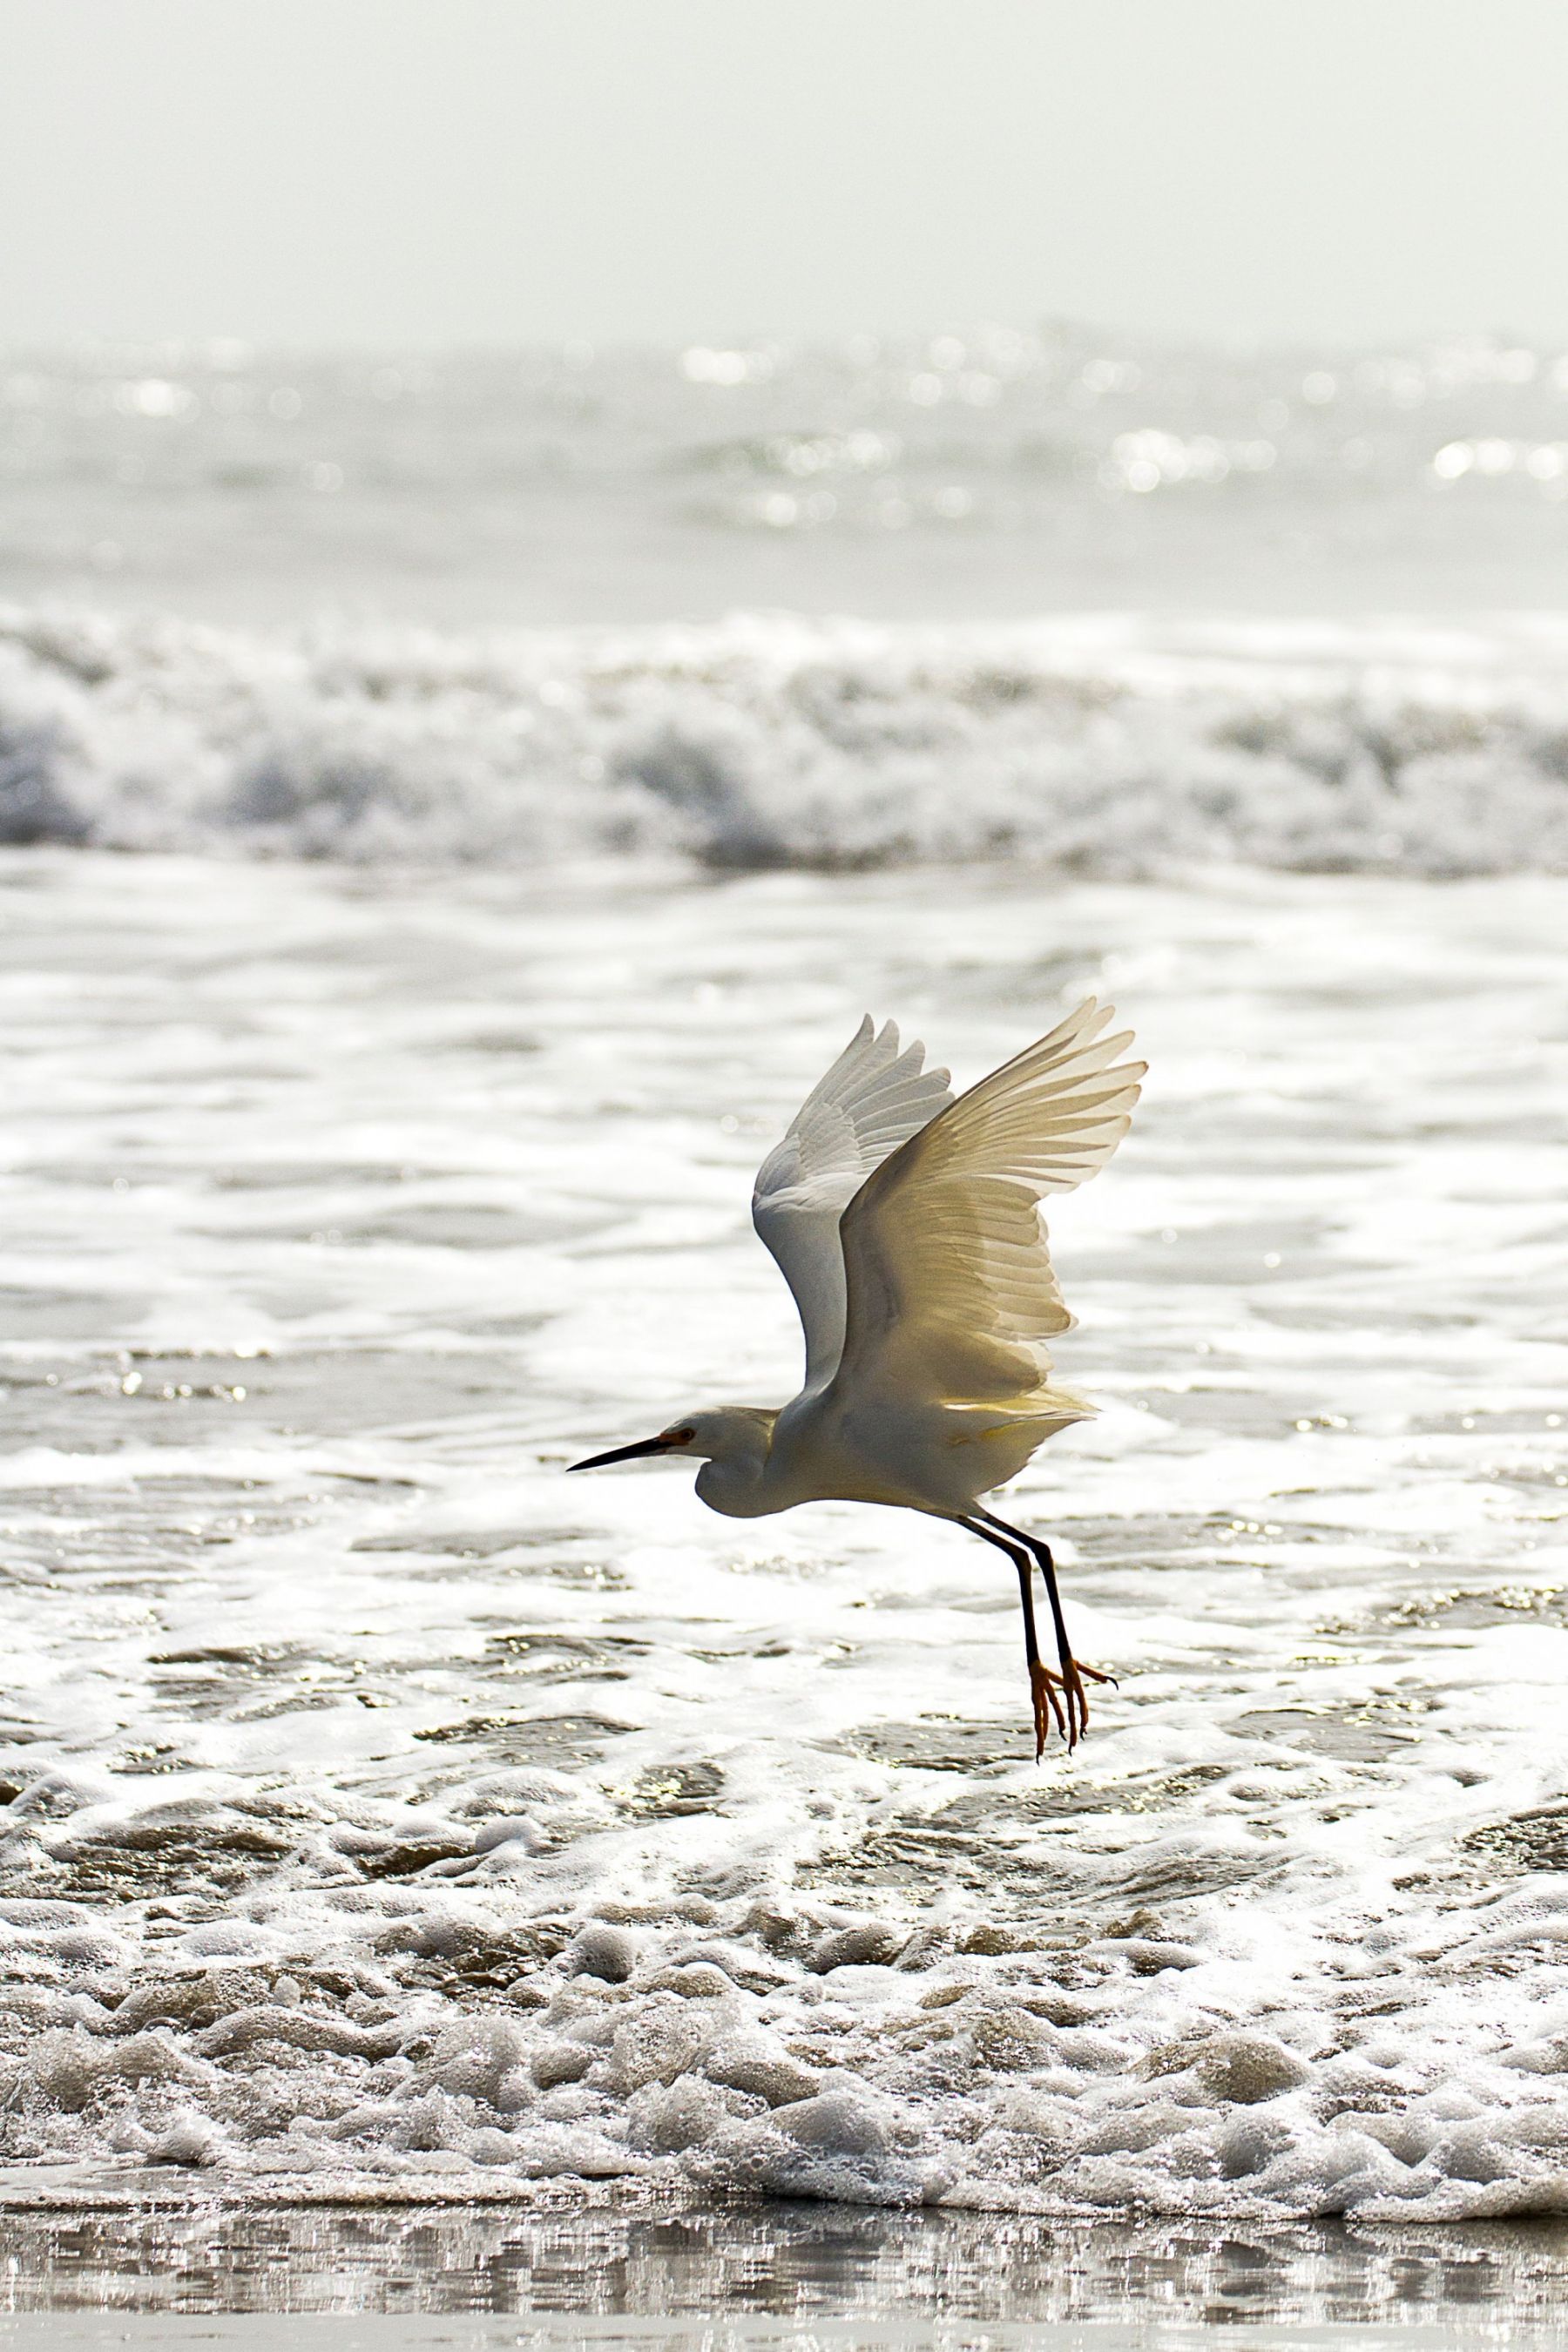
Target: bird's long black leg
column 1073, row 1673
column 1043, row 1685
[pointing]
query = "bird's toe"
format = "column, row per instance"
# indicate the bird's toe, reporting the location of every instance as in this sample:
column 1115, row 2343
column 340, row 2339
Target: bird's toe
column 1073, row 1676
column 1046, row 1689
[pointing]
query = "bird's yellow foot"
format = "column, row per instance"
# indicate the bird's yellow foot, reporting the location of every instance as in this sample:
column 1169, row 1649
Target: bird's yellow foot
column 1047, row 1691
column 1074, row 1672
column 1062, row 1699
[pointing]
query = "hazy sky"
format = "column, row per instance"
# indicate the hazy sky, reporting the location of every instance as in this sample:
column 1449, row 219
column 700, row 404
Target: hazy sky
column 434, row 170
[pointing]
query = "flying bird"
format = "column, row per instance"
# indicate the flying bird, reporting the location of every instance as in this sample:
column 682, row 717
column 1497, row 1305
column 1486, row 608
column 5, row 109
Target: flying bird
column 906, row 1224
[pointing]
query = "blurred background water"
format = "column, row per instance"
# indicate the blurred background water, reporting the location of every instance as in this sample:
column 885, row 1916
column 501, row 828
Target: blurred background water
column 984, row 473
column 1093, row 602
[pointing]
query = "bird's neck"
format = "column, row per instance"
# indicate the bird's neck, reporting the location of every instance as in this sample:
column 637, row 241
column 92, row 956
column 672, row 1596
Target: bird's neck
column 736, row 1482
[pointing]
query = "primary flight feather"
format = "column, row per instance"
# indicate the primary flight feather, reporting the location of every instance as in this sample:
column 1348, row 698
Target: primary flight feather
column 908, row 1226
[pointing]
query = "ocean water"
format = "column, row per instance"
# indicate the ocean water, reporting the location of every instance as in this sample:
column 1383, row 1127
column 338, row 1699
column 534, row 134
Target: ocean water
column 1050, row 597
column 1118, row 745
column 388, row 1816
column 450, row 812
column 982, row 474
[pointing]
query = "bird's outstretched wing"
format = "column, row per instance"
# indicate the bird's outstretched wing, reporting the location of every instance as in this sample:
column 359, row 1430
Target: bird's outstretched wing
column 951, row 1291
column 872, row 1099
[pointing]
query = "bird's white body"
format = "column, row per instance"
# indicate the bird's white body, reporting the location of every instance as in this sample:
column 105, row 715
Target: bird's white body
column 906, row 1224
column 822, row 1447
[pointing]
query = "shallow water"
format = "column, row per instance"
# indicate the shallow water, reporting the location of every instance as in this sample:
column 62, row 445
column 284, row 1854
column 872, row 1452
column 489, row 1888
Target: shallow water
column 845, row 2276
column 386, row 1815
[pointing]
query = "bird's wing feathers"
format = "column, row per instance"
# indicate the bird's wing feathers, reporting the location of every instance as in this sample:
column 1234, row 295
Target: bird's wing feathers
column 874, row 1099
column 951, row 1292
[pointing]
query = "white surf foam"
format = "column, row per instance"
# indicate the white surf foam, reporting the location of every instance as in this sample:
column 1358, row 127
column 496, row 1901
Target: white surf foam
column 1112, row 748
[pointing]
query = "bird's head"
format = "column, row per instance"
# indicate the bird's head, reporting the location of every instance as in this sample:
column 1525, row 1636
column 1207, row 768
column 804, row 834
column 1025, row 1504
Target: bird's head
column 726, row 1432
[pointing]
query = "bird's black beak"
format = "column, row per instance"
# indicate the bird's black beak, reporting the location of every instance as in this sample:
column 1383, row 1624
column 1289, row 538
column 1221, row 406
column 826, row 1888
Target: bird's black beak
column 621, row 1454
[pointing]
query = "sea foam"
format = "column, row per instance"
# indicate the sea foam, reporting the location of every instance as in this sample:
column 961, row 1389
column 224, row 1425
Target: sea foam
column 1110, row 748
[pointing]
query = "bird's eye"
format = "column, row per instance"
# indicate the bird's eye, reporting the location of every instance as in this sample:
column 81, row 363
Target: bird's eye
column 679, row 1436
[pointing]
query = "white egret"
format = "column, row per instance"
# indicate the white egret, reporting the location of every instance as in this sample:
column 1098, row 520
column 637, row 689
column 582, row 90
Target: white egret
column 908, row 1226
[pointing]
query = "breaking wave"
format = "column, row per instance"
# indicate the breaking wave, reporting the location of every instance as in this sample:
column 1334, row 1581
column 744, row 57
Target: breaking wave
column 1107, row 747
